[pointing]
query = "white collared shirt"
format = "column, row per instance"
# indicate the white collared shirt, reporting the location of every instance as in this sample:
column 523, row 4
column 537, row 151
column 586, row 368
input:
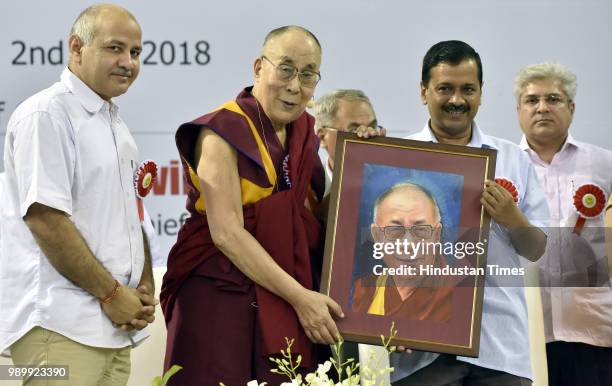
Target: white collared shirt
column 157, row 258
column 68, row 149
column 504, row 335
column 329, row 176
column 574, row 281
column 2, row 178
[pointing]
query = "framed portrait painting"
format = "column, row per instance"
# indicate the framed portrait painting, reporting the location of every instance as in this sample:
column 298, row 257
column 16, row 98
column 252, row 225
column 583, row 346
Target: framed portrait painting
column 406, row 242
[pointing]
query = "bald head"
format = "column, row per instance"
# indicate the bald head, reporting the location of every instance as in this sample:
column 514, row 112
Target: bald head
column 286, row 74
column 406, row 211
column 278, row 32
column 407, row 191
column 86, row 24
column 105, row 46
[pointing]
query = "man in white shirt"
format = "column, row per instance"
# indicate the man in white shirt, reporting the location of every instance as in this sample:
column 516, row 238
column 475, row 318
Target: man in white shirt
column 451, row 88
column 2, row 177
column 157, row 258
column 76, row 283
column 574, row 279
column 341, row 110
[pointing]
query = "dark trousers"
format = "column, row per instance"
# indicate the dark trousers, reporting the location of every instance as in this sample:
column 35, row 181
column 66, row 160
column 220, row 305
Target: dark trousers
column 575, row 364
column 446, row 370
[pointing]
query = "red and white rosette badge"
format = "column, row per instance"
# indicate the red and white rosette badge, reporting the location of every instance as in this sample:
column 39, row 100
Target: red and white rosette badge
column 510, row 187
column 144, row 178
column 589, row 201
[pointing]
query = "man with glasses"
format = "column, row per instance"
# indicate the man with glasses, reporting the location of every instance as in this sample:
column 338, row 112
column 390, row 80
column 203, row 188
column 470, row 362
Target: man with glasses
column 574, row 278
column 451, row 88
column 341, row 110
column 406, row 211
column 240, row 276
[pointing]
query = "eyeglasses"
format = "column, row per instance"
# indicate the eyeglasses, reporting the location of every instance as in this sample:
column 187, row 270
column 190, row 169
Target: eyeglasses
column 554, row 100
column 352, row 128
column 287, row 72
column 396, row 232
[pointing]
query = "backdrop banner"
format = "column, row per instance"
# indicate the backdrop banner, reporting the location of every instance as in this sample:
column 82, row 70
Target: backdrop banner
column 199, row 54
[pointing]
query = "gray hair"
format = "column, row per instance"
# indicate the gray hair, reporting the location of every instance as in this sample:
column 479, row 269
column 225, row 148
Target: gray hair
column 326, row 107
column 554, row 71
column 84, row 25
column 406, row 185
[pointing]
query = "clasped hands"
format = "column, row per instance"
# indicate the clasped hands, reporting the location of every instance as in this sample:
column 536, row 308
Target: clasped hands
column 132, row 308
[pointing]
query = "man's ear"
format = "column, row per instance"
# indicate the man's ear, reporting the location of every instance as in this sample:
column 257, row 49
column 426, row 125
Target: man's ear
column 376, row 233
column 437, row 235
column 321, row 134
column 75, row 46
column 257, row 67
column 423, row 91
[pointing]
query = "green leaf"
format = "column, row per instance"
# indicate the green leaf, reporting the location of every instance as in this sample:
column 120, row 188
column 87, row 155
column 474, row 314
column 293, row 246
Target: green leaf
column 171, row 371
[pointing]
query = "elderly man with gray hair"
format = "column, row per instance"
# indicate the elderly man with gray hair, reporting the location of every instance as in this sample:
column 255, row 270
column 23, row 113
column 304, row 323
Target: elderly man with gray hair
column 341, row 110
column 76, row 282
column 574, row 279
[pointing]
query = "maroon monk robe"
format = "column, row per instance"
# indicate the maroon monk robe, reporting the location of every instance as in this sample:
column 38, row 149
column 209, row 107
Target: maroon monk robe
column 220, row 326
column 431, row 300
column 425, row 303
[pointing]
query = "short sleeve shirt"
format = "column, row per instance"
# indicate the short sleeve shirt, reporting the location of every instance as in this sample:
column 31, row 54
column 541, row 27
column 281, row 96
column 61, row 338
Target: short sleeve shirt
column 68, row 149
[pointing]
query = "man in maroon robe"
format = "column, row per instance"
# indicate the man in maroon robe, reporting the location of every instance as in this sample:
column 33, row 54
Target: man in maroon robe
column 240, row 277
